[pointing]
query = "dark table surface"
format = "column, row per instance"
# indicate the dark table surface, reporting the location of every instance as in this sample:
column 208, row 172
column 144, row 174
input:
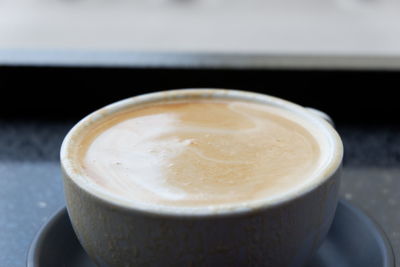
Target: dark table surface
column 31, row 187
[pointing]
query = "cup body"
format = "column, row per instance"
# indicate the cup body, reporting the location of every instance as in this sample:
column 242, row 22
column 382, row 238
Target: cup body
column 284, row 233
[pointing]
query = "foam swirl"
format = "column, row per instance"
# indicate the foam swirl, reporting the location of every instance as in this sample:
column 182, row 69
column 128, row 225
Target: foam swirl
column 200, row 153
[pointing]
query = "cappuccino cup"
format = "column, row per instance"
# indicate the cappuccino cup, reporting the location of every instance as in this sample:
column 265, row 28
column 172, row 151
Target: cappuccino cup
column 201, row 177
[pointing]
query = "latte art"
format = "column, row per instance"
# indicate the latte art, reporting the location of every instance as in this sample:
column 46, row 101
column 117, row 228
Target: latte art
column 200, row 153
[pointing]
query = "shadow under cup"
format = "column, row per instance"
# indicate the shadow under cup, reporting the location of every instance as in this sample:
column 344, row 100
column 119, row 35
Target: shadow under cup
column 280, row 232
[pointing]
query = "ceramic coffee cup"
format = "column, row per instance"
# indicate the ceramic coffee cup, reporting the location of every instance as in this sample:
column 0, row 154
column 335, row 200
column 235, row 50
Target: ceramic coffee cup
column 285, row 231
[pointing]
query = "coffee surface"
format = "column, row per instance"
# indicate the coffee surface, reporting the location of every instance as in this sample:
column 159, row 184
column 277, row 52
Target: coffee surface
column 199, row 153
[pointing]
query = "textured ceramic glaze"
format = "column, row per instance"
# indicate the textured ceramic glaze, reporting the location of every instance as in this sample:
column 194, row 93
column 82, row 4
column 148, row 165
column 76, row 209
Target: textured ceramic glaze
column 282, row 232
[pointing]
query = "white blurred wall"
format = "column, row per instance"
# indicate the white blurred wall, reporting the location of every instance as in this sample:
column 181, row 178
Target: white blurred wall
column 239, row 26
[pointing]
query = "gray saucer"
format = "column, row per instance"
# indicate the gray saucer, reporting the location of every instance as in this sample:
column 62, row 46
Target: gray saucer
column 353, row 240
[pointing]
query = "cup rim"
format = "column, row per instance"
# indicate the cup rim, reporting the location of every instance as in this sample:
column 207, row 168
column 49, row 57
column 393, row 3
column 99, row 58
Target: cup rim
column 71, row 172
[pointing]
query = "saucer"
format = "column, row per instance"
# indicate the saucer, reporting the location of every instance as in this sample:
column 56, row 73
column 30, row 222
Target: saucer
column 353, row 240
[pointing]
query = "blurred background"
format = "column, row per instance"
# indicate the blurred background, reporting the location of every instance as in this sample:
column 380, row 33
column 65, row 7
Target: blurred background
column 341, row 56
column 61, row 59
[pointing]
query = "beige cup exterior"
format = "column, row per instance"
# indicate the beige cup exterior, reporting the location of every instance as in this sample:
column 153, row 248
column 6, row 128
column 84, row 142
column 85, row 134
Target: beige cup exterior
column 279, row 234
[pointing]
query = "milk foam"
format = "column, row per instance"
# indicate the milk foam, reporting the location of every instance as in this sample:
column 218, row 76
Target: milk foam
column 199, row 153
